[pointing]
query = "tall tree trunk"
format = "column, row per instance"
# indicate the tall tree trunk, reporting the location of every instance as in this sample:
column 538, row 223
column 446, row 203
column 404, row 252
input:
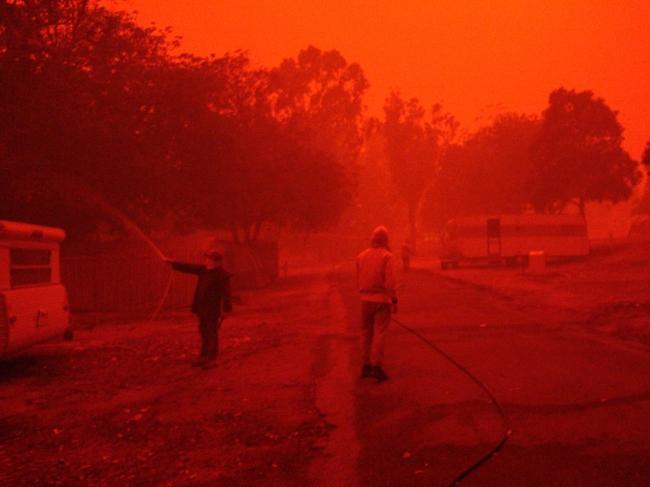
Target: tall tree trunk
column 257, row 227
column 234, row 233
column 412, row 225
column 582, row 206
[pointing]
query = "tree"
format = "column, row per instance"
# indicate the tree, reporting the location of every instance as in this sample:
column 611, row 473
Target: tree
column 77, row 99
column 295, row 137
column 414, row 145
column 375, row 200
column 644, row 204
column 319, row 97
column 578, row 155
column 645, row 158
column 487, row 173
column 269, row 142
column 87, row 95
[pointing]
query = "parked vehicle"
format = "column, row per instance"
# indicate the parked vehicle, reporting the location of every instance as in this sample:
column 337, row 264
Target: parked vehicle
column 33, row 302
column 508, row 239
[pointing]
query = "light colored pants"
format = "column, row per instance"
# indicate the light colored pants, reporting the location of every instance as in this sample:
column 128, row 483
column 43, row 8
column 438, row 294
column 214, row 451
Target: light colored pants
column 375, row 318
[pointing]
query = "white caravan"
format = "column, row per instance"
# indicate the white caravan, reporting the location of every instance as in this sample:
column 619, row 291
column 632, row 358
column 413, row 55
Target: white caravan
column 498, row 239
column 33, row 302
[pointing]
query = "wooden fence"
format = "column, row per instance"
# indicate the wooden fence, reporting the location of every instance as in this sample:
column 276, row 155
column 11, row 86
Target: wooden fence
column 131, row 280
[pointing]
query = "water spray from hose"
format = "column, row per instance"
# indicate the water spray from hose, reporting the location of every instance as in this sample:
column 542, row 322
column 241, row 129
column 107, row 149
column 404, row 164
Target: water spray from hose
column 83, row 191
column 126, row 222
column 131, row 226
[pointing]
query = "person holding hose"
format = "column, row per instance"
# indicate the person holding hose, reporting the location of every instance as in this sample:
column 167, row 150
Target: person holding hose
column 377, row 287
column 211, row 298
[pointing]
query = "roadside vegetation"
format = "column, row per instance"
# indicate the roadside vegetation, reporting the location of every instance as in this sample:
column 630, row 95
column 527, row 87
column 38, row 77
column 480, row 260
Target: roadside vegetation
column 90, row 97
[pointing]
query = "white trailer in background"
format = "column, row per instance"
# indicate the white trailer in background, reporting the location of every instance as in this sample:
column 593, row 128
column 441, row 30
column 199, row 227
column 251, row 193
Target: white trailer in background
column 33, row 302
column 508, row 239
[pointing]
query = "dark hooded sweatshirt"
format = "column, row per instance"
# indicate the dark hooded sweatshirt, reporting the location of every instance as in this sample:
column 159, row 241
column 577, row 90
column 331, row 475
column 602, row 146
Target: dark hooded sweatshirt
column 212, row 289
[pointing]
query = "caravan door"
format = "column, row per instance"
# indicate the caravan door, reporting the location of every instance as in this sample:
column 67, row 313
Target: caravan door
column 494, row 237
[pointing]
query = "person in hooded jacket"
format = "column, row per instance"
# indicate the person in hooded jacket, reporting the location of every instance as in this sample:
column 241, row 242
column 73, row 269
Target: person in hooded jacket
column 212, row 297
column 377, row 288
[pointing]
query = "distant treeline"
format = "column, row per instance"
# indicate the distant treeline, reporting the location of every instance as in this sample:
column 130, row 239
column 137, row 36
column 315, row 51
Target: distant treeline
column 89, row 98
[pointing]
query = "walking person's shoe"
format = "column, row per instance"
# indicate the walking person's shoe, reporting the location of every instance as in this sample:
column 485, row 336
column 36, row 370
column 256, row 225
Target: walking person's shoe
column 366, row 371
column 379, row 374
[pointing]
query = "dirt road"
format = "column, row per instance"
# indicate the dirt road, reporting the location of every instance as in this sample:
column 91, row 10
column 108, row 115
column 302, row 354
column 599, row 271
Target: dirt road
column 121, row 406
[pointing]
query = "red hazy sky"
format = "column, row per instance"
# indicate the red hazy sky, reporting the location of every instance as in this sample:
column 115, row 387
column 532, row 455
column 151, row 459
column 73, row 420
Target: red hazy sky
column 477, row 57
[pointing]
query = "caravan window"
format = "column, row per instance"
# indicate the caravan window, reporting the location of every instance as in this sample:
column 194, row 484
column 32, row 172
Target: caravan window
column 30, row 266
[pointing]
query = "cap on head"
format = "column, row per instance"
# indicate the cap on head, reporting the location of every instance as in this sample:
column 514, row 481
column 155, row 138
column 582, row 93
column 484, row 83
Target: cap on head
column 379, row 237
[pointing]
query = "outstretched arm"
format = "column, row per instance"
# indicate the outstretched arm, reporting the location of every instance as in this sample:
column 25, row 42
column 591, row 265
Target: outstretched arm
column 186, row 267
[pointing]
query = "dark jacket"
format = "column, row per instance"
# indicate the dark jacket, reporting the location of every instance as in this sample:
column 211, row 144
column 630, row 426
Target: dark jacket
column 212, row 289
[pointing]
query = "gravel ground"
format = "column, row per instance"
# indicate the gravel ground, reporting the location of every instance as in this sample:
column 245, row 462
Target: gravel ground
column 120, row 405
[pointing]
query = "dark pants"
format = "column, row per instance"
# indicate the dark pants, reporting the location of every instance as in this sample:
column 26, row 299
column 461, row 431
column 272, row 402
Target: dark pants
column 209, row 331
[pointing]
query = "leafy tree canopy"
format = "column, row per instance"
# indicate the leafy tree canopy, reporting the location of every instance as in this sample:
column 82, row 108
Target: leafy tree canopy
column 645, row 159
column 414, row 145
column 487, row 173
column 88, row 95
column 578, row 155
